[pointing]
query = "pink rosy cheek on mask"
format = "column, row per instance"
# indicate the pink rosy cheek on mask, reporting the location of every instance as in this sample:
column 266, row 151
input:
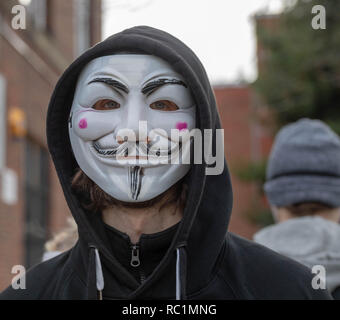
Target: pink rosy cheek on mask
column 181, row 126
column 82, row 124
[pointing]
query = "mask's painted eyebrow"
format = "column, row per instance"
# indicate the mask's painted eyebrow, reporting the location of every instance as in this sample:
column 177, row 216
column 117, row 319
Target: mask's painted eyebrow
column 111, row 82
column 154, row 85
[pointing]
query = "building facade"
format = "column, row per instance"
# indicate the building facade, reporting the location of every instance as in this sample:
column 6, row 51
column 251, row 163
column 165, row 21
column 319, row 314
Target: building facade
column 32, row 205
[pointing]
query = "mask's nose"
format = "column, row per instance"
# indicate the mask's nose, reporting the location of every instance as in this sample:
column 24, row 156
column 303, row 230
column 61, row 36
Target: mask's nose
column 134, row 124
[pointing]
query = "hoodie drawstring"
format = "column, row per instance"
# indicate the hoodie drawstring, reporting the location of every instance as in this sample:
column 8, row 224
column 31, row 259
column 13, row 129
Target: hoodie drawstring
column 181, row 267
column 99, row 275
column 95, row 278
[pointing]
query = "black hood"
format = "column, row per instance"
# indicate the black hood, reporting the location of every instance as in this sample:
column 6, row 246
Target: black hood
column 203, row 228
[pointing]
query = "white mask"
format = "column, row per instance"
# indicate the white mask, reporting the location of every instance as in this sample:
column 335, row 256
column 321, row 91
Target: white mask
column 113, row 94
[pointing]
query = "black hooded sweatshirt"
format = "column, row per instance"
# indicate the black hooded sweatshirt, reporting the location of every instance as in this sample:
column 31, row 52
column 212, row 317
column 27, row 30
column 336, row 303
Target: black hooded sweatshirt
column 195, row 259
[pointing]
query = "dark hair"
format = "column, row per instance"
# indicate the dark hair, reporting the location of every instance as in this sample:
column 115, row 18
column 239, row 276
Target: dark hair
column 93, row 198
column 308, row 208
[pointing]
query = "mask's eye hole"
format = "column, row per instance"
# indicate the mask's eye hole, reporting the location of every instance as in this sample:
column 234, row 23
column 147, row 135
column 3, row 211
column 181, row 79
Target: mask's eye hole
column 106, row 104
column 164, row 105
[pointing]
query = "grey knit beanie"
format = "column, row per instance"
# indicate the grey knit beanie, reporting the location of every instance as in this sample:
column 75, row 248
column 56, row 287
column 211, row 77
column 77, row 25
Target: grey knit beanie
column 304, row 165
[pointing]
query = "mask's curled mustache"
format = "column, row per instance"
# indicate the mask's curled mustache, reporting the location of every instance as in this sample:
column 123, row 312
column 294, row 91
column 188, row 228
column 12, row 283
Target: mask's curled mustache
column 138, row 148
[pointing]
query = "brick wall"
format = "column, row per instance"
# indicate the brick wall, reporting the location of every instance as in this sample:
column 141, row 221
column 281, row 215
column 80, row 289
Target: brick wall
column 62, row 25
column 235, row 108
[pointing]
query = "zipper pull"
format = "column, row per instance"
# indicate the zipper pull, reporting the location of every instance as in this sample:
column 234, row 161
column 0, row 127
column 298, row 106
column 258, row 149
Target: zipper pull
column 135, row 262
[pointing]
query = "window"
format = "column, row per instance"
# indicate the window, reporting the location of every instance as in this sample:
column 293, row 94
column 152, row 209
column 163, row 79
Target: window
column 2, row 122
column 36, row 197
column 38, row 12
column 82, row 26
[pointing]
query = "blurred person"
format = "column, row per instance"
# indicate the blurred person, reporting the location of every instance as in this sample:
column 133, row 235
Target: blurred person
column 303, row 189
column 148, row 231
column 61, row 241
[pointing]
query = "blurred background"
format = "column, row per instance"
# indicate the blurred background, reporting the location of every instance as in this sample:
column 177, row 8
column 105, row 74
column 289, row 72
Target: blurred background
column 267, row 64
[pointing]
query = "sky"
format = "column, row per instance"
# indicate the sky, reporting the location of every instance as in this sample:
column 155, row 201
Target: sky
column 220, row 32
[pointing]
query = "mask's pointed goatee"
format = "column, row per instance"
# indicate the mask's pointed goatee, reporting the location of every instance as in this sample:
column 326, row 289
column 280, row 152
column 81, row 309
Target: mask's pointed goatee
column 135, row 180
